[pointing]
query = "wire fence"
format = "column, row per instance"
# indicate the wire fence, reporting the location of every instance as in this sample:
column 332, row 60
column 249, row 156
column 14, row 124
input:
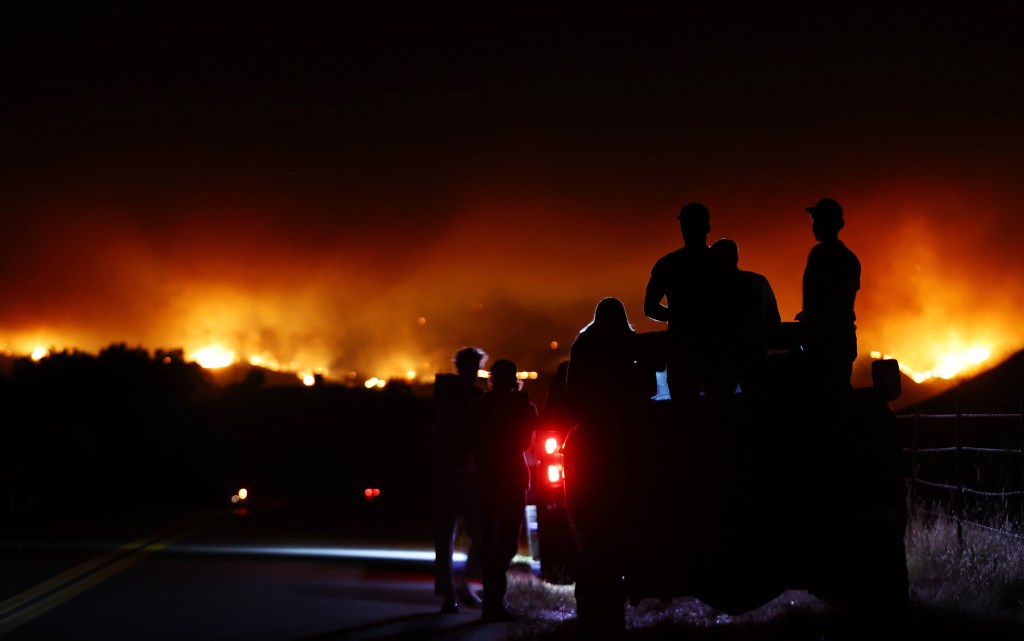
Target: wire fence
column 970, row 463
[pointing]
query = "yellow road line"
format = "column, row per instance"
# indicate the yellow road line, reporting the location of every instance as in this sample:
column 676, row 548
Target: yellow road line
column 65, row 577
column 51, row 593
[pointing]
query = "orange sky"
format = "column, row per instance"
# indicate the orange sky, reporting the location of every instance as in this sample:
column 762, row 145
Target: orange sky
column 310, row 197
column 511, row 277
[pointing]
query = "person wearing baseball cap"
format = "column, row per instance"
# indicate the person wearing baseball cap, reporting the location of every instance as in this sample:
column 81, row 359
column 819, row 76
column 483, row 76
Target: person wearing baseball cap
column 826, row 209
column 683, row 280
column 830, row 284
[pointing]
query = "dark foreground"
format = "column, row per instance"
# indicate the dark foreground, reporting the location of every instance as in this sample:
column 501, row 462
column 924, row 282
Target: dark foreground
column 221, row 578
column 921, row 625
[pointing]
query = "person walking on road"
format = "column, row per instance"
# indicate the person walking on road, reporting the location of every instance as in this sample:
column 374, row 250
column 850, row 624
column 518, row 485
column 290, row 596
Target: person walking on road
column 502, row 423
column 455, row 493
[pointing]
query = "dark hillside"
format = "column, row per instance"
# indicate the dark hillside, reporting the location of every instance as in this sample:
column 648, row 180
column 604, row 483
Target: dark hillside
column 126, row 431
column 1000, row 389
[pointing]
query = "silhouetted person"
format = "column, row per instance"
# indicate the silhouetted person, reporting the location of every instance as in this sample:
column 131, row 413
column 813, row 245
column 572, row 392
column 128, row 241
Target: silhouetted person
column 502, row 422
column 681, row 278
column 606, row 386
column 555, row 406
column 737, row 458
column 830, row 284
column 749, row 311
column 454, row 488
column 606, row 377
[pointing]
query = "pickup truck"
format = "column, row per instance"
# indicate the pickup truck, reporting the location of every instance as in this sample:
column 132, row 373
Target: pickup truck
column 732, row 501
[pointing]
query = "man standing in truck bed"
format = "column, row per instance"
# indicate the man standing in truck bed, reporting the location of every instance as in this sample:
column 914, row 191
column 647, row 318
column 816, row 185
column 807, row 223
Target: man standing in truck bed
column 830, row 285
column 682, row 279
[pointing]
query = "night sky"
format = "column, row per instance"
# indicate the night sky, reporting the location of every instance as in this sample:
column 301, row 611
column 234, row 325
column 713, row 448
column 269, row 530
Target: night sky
column 366, row 190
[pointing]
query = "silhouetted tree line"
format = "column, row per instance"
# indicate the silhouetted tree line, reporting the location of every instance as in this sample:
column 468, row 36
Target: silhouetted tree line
column 129, row 430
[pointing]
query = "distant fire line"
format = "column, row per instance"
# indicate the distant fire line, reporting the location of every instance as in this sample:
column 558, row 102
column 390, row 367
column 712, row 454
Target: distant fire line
column 951, row 364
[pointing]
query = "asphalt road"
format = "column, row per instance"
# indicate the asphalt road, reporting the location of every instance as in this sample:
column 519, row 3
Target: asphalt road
column 298, row 573
column 283, row 573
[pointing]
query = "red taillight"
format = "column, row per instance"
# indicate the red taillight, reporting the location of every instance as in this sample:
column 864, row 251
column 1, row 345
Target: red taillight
column 554, row 473
column 547, row 456
column 551, row 445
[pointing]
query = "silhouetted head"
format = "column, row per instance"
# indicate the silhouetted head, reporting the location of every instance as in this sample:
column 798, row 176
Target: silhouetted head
column 610, row 317
column 695, row 223
column 826, row 218
column 468, row 361
column 610, row 311
column 725, row 253
column 503, row 375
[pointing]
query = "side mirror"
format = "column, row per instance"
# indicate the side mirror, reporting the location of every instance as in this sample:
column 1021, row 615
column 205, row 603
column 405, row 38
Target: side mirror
column 885, row 378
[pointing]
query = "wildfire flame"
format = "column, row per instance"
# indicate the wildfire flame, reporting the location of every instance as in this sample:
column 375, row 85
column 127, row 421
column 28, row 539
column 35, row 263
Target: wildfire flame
column 946, row 365
column 213, row 357
column 947, row 360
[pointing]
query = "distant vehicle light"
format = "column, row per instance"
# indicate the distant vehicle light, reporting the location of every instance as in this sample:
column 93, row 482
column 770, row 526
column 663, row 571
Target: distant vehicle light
column 371, row 493
column 243, row 494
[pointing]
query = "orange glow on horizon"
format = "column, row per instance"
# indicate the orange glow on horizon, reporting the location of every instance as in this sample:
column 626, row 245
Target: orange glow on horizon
column 939, row 288
column 943, row 359
column 213, row 357
column 946, row 366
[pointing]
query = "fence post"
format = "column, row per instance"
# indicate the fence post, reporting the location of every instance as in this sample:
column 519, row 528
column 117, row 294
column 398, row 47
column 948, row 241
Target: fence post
column 958, row 499
column 911, row 493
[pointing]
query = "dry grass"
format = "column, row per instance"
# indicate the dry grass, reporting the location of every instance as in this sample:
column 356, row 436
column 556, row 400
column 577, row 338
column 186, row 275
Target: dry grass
column 981, row 581
column 548, row 608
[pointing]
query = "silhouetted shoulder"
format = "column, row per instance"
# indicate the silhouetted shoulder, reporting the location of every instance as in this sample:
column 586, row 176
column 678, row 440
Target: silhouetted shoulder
column 682, row 258
column 834, row 256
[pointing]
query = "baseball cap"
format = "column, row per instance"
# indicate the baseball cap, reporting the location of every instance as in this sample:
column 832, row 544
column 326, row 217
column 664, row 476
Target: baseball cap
column 826, row 208
column 694, row 212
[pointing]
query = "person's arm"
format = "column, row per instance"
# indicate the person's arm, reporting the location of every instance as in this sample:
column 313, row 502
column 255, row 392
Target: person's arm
column 653, row 308
column 807, row 285
column 771, row 306
column 527, row 420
